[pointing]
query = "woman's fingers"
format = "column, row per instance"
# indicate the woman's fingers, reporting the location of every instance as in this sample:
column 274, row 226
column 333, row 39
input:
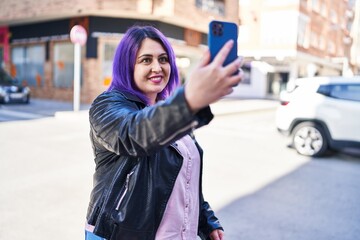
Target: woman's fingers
column 222, row 54
column 234, row 66
column 209, row 82
column 205, row 59
column 219, row 59
column 235, row 79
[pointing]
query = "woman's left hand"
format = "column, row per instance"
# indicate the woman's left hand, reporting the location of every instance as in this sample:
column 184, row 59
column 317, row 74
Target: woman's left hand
column 217, row 234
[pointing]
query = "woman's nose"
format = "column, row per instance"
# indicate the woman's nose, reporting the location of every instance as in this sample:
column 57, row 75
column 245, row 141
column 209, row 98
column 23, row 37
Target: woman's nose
column 156, row 67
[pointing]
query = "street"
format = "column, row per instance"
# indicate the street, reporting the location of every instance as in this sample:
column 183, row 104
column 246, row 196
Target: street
column 263, row 190
column 258, row 187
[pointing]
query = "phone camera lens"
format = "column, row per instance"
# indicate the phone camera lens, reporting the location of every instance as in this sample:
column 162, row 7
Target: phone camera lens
column 220, row 32
column 217, row 29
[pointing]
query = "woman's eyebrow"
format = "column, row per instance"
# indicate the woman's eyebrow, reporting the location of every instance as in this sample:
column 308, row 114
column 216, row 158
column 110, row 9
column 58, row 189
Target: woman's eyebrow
column 150, row 55
column 145, row 55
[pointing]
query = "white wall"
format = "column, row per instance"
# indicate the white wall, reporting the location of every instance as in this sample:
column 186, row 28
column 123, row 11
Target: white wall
column 258, row 85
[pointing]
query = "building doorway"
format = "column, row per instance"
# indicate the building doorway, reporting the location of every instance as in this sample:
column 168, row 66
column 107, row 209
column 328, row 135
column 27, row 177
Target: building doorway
column 276, row 82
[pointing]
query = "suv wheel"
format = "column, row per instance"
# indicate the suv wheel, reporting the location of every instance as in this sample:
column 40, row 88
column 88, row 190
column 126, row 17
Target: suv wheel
column 309, row 139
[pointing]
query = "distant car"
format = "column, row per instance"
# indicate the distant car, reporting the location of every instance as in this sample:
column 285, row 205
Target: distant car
column 11, row 90
column 321, row 113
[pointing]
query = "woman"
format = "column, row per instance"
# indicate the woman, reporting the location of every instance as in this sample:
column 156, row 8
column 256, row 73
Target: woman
column 147, row 183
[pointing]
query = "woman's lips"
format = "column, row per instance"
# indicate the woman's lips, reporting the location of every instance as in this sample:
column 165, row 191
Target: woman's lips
column 156, row 79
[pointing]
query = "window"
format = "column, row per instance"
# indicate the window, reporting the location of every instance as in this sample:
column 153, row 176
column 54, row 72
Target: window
column 349, row 25
column 323, row 10
column 333, row 16
column 341, row 91
column 107, row 62
column 304, row 3
column 213, row 6
column 343, row 23
column 315, row 5
column 324, row 90
column 331, row 47
column 303, row 31
column 63, row 65
column 322, row 42
column 280, row 3
column 314, row 42
column 346, row 92
column 340, row 51
column 28, row 64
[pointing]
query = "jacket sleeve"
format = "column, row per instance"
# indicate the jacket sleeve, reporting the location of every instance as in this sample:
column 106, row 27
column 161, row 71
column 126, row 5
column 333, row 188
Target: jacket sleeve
column 121, row 127
column 208, row 222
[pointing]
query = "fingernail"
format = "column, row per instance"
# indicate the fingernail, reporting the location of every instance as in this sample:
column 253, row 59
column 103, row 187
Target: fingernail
column 231, row 41
column 241, row 73
column 238, row 62
column 241, row 60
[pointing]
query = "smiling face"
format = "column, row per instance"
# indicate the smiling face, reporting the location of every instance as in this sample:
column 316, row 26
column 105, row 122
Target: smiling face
column 152, row 69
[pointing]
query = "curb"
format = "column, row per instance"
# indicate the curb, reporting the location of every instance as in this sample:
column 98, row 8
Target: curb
column 222, row 108
column 228, row 107
column 71, row 115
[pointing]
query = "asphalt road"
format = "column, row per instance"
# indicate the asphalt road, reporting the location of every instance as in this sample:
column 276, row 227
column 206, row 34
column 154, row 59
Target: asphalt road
column 36, row 109
column 259, row 188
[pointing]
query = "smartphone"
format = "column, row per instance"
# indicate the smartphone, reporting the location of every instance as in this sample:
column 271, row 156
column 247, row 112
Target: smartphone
column 219, row 33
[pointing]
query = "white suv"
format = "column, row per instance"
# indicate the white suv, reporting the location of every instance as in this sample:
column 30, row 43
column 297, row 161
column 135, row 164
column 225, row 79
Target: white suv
column 321, row 113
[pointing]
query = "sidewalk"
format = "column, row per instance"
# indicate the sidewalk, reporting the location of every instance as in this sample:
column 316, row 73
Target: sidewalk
column 64, row 110
column 235, row 105
column 223, row 107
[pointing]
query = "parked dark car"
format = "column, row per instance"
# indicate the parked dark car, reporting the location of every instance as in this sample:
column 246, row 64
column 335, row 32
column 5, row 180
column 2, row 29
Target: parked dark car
column 11, row 90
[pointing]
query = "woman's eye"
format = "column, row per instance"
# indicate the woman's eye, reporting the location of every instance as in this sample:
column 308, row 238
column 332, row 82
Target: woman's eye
column 146, row 60
column 163, row 60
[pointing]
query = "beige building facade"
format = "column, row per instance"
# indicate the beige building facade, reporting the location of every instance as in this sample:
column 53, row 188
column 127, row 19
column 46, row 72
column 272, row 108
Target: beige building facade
column 35, row 45
column 282, row 40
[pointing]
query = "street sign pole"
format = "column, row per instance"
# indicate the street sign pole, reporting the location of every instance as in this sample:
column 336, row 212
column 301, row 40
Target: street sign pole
column 78, row 36
column 77, row 71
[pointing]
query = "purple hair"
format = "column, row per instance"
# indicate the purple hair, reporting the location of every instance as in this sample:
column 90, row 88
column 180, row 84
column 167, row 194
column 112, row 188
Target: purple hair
column 125, row 57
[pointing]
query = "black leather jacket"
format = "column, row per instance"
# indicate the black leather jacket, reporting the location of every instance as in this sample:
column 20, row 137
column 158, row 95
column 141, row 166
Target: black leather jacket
column 137, row 164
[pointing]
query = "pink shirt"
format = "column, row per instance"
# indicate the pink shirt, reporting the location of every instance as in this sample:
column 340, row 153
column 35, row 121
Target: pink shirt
column 180, row 220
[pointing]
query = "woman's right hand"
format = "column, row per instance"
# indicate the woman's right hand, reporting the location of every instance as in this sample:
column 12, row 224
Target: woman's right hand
column 211, row 81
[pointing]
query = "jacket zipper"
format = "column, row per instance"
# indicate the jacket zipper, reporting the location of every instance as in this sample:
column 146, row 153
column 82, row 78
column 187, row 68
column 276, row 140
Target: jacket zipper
column 125, row 190
column 190, row 126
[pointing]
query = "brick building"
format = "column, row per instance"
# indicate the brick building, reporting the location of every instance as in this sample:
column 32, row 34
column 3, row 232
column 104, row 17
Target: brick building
column 35, row 44
column 355, row 36
column 297, row 38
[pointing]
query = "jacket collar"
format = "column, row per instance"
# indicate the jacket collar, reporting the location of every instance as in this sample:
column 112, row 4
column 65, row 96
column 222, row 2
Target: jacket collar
column 130, row 96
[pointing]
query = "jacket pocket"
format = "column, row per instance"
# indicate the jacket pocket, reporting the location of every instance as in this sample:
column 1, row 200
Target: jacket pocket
column 94, row 209
column 124, row 190
column 93, row 213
